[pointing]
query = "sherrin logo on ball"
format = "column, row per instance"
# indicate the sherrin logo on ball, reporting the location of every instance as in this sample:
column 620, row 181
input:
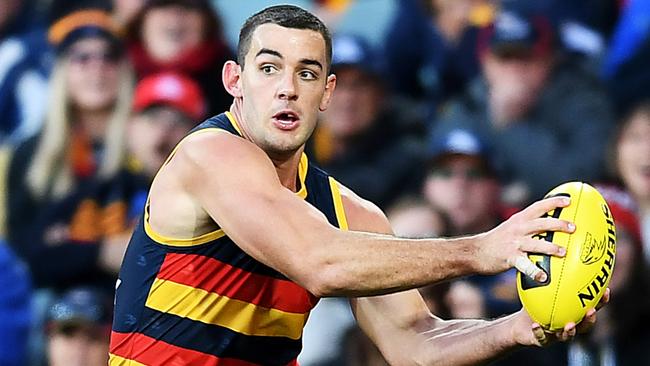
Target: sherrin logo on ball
column 576, row 282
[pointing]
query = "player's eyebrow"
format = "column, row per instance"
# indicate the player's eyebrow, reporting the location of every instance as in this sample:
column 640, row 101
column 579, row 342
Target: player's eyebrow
column 304, row 61
column 308, row 61
column 269, row 52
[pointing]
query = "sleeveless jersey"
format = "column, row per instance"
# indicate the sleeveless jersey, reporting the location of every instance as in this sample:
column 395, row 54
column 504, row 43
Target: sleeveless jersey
column 203, row 301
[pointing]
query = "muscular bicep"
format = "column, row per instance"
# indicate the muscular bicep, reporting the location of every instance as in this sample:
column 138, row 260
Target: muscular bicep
column 237, row 185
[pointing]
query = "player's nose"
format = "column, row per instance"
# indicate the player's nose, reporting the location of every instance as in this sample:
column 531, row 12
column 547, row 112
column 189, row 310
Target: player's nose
column 287, row 88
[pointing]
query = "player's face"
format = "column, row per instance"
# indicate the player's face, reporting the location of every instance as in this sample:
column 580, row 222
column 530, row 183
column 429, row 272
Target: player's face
column 284, row 84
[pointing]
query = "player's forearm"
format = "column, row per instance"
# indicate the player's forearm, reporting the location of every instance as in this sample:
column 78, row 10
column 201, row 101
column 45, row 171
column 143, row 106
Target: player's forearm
column 361, row 264
column 465, row 342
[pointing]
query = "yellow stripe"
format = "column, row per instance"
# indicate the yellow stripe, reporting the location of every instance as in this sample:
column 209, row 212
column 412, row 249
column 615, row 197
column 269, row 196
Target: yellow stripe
column 182, row 242
column 303, row 166
column 114, row 360
column 338, row 204
column 234, row 123
column 211, row 308
column 179, row 242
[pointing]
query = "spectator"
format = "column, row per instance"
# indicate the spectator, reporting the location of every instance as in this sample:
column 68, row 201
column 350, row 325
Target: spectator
column 124, row 11
column 462, row 185
column 540, row 114
column 78, row 327
column 23, row 71
column 621, row 337
column 632, row 159
column 61, row 219
column 430, row 47
column 363, row 138
column 15, row 314
column 183, row 36
column 413, row 217
column 165, row 108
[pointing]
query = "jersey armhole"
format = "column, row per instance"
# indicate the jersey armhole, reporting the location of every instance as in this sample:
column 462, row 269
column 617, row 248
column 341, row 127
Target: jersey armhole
column 338, row 204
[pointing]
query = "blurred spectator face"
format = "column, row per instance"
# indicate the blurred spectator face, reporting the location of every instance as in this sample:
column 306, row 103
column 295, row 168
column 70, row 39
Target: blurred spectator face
column 78, row 345
column 92, row 77
column 417, row 220
column 166, row 106
column 170, row 31
column 125, row 10
column 452, row 16
column 465, row 301
column 8, row 9
column 516, row 54
column 462, row 188
column 355, row 104
column 515, row 82
column 153, row 134
column 626, row 253
column 633, row 156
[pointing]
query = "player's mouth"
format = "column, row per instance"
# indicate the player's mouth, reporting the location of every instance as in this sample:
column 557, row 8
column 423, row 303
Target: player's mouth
column 286, row 120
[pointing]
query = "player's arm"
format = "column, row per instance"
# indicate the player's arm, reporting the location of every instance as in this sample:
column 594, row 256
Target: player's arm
column 407, row 333
column 237, row 185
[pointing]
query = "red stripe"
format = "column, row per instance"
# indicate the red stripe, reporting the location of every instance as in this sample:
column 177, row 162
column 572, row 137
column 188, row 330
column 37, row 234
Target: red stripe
column 215, row 276
column 149, row 351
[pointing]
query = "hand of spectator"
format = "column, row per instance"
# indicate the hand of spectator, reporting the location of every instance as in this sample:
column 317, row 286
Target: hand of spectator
column 112, row 251
column 508, row 244
column 528, row 333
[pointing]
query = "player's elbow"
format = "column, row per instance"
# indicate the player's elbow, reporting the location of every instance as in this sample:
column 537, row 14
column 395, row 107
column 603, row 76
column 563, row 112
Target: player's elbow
column 327, row 280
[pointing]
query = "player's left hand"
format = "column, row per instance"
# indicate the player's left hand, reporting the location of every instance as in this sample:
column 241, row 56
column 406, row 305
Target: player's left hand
column 528, row 333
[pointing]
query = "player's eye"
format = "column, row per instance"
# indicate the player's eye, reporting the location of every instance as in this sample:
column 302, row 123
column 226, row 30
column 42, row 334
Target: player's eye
column 268, row 69
column 308, row 75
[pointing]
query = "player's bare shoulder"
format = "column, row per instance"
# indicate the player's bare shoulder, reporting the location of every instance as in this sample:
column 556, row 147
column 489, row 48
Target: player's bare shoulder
column 207, row 159
column 363, row 215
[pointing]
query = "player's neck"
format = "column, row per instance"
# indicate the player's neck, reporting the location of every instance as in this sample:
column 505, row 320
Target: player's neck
column 287, row 168
column 286, row 163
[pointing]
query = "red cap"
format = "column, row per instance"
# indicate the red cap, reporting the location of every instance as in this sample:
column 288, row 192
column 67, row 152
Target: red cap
column 170, row 89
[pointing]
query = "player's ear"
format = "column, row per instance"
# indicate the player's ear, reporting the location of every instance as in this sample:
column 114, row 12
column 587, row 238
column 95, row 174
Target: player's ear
column 231, row 77
column 330, row 85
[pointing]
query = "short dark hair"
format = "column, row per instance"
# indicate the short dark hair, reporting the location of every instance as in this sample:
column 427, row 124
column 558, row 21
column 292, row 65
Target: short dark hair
column 288, row 16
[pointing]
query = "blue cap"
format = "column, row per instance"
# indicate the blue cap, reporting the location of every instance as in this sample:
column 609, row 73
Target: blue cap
column 354, row 51
column 518, row 32
column 84, row 305
column 460, row 141
column 457, row 141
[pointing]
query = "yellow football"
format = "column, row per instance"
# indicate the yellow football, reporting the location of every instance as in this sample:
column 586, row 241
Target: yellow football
column 576, row 282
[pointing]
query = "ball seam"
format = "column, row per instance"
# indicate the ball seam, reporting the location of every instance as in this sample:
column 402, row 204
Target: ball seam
column 559, row 281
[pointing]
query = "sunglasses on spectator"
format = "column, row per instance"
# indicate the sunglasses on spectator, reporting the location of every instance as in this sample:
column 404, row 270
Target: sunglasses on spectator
column 471, row 174
column 83, row 58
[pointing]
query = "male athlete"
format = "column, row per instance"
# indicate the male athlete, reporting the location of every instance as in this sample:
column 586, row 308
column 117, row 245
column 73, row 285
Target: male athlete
column 241, row 235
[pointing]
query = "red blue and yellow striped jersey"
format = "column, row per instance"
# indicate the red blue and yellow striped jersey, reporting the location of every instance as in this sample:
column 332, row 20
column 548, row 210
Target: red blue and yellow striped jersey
column 203, row 301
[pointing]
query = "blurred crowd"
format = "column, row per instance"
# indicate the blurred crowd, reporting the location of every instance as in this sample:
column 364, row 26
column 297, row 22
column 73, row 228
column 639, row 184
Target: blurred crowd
column 463, row 113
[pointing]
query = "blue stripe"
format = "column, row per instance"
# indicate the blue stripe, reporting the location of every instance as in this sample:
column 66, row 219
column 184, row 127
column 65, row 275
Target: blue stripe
column 141, row 264
column 219, row 341
column 226, row 251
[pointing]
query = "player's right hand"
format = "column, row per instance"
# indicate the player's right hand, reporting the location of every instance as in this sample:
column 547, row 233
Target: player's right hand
column 508, row 244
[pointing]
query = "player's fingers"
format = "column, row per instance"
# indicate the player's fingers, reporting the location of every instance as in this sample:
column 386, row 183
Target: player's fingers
column 540, row 335
column 541, row 207
column 542, row 224
column 525, row 266
column 568, row 332
column 542, row 247
column 587, row 322
column 605, row 299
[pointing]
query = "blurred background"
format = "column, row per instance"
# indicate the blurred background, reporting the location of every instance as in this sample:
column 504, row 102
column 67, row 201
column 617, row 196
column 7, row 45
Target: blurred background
column 449, row 114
